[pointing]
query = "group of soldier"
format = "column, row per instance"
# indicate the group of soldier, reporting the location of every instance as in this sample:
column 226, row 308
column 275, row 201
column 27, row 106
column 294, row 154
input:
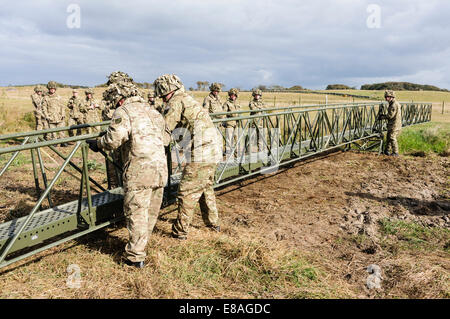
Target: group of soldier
column 140, row 132
column 50, row 111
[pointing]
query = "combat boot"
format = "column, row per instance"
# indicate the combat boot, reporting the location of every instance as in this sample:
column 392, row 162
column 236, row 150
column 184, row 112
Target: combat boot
column 215, row 228
column 179, row 237
column 137, row 264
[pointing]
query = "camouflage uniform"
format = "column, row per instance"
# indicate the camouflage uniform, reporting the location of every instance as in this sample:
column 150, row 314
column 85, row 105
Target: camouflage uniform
column 75, row 116
column 198, row 175
column 258, row 123
column 107, row 110
column 139, row 131
column 54, row 111
column 152, row 102
column 212, row 103
column 231, row 106
column 37, row 99
column 90, row 108
column 394, row 124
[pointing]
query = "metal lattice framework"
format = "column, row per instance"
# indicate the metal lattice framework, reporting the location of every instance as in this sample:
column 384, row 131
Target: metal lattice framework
column 261, row 142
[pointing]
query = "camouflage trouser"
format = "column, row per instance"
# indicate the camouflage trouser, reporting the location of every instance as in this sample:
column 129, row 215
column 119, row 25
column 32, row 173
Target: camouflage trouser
column 112, row 172
column 196, row 186
column 91, row 118
column 55, row 135
column 257, row 135
column 231, row 140
column 141, row 208
column 71, row 122
column 41, row 123
column 391, row 142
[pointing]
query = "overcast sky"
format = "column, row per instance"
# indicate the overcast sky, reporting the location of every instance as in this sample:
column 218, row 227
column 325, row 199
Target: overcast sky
column 239, row 43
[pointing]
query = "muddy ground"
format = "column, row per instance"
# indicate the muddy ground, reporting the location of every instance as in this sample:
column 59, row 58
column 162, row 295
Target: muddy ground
column 339, row 210
column 333, row 206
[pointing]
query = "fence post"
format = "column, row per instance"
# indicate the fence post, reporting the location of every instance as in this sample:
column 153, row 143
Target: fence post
column 443, row 105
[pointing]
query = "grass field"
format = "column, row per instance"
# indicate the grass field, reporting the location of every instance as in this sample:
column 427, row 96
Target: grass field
column 282, row 235
column 16, row 108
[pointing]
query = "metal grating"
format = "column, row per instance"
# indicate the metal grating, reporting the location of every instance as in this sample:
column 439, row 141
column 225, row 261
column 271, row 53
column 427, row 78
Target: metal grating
column 57, row 213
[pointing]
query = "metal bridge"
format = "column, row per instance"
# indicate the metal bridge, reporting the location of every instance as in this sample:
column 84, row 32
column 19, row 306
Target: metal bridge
column 288, row 134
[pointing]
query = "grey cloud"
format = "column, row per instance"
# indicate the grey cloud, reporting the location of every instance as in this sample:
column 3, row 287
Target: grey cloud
column 239, row 43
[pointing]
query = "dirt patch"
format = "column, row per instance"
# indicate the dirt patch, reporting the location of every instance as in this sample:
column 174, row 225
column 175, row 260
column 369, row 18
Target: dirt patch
column 335, row 220
column 332, row 208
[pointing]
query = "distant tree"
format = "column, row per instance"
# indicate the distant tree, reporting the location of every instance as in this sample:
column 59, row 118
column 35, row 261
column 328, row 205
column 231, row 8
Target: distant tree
column 277, row 87
column 262, row 87
column 400, row 86
column 337, row 87
column 191, row 88
column 296, row 88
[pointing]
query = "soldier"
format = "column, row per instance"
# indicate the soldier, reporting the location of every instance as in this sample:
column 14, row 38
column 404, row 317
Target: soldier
column 54, row 111
column 231, row 106
column 151, row 98
column 107, row 110
column 212, row 102
column 138, row 130
column 37, row 98
column 258, row 124
column 197, row 179
column 75, row 116
column 394, row 124
column 90, row 108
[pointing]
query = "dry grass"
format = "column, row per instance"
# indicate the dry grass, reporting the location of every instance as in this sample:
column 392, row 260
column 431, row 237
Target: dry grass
column 281, row 235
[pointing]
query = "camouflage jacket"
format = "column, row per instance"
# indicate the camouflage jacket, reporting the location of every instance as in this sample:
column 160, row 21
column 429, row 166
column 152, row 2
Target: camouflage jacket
column 394, row 116
column 138, row 130
column 213, row 104
column 256, row 105
column 74, row 105
column 204, row 140
column 54, row 108
column 90, row 108
column 231, row 106
column 107, row 111
column 37, row 103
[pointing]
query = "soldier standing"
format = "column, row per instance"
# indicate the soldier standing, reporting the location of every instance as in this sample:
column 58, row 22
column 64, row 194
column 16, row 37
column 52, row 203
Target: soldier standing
column 139, row 131
column 91, row 108
column 75, row 115
column 394, row 124
column 197, row 179
column 37, row 98
column 54, row 110
column 212, row 102
column 231, row 106
column 258, row 124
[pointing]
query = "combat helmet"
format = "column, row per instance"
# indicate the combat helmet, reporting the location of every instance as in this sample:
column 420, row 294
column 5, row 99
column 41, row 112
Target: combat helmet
column 389, row 93
column 119, row 76
column 38, row 88
column 167, row 83
column 120, row 90
column 51, row 85
column 215, row 87
column 89, row 91
column 233, row 91
column 256, row 92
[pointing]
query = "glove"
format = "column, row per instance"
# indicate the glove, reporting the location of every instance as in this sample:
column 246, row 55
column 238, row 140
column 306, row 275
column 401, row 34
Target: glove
column 93, row 145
